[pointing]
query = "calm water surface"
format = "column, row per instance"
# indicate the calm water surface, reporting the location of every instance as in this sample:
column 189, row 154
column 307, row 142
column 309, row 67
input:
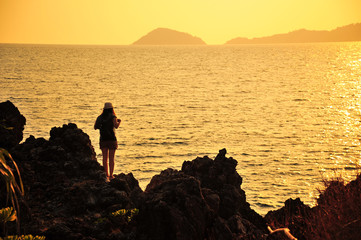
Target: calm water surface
column 289, row 114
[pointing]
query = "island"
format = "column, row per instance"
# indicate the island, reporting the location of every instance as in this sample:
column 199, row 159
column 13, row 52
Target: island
column 347, row 33
column 165, row 36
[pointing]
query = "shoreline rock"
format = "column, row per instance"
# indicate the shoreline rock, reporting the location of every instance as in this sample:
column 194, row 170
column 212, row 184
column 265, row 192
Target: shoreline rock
column 67, row 197
column 12, row 124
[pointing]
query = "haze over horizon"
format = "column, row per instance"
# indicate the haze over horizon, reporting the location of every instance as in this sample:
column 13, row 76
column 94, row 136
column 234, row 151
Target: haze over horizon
column 116, row 22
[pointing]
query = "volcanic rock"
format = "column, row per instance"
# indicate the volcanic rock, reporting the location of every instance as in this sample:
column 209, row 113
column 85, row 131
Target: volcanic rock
column 202, row 201
column 11, row 125
column 67, row 196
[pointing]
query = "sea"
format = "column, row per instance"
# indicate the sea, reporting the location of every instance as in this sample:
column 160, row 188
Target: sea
column 288, row 113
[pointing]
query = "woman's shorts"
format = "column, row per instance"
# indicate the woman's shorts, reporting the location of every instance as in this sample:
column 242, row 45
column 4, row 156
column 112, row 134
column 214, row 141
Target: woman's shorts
column 108, row 144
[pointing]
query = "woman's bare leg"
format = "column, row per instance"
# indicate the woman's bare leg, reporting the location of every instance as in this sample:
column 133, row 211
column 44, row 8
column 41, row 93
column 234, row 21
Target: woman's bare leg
column 111, row 162
column 105, row 160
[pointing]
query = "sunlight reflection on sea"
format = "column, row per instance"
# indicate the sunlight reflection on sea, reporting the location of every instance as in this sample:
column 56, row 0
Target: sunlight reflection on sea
column 288, row 113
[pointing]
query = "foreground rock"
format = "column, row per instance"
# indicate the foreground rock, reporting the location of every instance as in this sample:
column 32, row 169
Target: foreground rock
column 202, row 201
column 67, row 197
column 11, row 125
column 66, row 193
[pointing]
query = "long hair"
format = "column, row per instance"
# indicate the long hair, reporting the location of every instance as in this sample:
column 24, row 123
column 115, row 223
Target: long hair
column 108, row 112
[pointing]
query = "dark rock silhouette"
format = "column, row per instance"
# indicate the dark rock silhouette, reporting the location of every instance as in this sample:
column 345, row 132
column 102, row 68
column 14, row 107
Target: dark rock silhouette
column 164, row 36
column 220, row 180
column 65, row 190
column 11, row 125
column 67, row 197
column 350, row 32
column 202, row 201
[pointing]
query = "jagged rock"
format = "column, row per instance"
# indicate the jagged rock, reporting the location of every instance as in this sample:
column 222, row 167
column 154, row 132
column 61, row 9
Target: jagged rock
column 173, row 208
column 73, row 140
column 221, row 177
column 67, row 196
column 202, row 201
column 63, row 181
column 11, row 125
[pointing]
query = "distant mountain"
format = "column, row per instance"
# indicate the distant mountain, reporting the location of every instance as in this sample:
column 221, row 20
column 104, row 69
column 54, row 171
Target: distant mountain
column 347, row 33
column 164, row 36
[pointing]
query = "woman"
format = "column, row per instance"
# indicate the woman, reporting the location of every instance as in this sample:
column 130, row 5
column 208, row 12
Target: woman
column 106, row 123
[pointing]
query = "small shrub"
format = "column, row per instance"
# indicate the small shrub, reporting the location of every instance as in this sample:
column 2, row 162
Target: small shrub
column 101, row 220
column 7, row 215
column 13, row 188
column 128, row 214
column 338, row 211
column 24, row 237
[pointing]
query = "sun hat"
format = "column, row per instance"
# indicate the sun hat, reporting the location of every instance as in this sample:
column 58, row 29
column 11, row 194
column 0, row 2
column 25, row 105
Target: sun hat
column 108, row 105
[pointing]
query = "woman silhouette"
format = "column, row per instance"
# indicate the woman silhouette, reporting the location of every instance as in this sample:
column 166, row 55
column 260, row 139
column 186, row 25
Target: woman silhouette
column 107, row 122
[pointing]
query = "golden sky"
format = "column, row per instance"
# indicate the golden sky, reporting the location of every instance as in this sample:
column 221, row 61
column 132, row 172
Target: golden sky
column 122, row 22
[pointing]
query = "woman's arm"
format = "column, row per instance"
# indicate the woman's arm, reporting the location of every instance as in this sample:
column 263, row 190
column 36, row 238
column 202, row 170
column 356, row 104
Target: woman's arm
column 116, row 122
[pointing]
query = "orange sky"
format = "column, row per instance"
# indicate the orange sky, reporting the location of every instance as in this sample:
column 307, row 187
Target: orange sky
column 125, row 21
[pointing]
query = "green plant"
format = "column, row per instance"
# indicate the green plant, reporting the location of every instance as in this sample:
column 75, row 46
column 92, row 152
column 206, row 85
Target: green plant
column 24, row 237
column 128, row 214
column 12, row 186
column 7, row 215
column 100, row 220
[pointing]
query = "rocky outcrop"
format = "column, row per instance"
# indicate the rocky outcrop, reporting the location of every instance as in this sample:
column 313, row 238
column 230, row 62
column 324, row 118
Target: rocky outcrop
column 67, row 197
column 202, row 201
column 11, row 125
column 220, row 178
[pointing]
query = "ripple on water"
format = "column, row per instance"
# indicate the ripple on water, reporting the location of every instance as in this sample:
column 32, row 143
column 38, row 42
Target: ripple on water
column 283, row 124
